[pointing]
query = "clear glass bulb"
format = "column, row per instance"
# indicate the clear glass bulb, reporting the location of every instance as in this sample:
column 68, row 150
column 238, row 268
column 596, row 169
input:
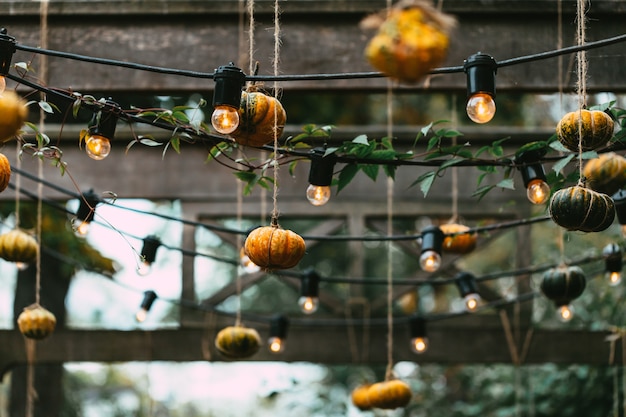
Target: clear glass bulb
column 614, row 278
column 318, row 195
column 565, row 313
column 481, row 108
column 308, row 305
column 419, row 344
column 538, row 191
column 471, row 301
column 430, row 261
column 97, row 147
column 81, row 227
column 275, row 344
column 144, row 268
column 3, row 84
column 141, row 315
column 248, row 266
column 225, row 119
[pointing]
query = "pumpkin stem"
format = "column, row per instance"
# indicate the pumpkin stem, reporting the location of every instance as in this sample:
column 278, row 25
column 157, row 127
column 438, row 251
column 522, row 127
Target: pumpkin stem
column 274, row 221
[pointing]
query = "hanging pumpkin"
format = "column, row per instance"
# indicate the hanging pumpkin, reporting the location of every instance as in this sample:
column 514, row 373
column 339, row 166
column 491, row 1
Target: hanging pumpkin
column 360, row 397
column 5, row 172
column 13, row 114
column 389, row 394
column 272, row 247
column 261, row 117
column 606, row 173
column 563, row 284
column 580, row 208
column 411, row 40
column 596, row 127
column 35, row 322
column 238, row 341
column 18, row 246
column 457, row 239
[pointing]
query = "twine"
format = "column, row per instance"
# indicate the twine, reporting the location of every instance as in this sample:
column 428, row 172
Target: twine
column 275, row 63
column 581, row 72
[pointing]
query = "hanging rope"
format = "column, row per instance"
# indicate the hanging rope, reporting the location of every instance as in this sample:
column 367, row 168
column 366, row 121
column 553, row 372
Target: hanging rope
column 275, row 64
column 581, row 60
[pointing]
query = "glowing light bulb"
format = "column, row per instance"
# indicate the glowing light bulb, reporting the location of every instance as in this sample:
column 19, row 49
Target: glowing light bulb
column 318, row 195
column 565, row 313
column 81, row 227
column 308, row 305
column 430, row 261
column 3, row 84
column 471, row 302
column 481, row 108
column 225, row 119
column 21, row 265
column 419, row 344
column 97, row 147
column 247, row 264
column 275, row 344
column 141, row 315
column 144, row 268
column 614, row 278
column 538, row 191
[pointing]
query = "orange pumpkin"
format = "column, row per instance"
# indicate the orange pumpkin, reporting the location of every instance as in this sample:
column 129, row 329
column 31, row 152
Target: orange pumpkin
column 596, row 127
column 261, row 117
column 18, row 246
column 360, row 397
column 238, row 341
column 5, row 172
column 271, row 247
column 389, row 394
column 457, row 239
column 35, row 322
column 411, row 41
column 606, row 173
column 13, row 114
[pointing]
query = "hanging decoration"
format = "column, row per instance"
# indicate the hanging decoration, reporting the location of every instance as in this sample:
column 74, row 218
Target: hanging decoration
column 272, row 247
column 5, row 172
column 606, row 173
column 458, row 238
column 13, row 114
column 581, row 208
column 562, row 285
column 257, row 114
column 594, row 129
column 238, row 341
column 18, row 246
column 411, row 40
column 35, row 322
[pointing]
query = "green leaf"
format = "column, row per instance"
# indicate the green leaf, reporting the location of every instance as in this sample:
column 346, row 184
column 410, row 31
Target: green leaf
column 149, row 142
column 432, row 142
column 390, row 170
column 329, row 151
column 346, row 175
column 175, row 143
column 247, row 176
column 424, row 131
column 361, row 139
column 371, row 170
column 427, row 182
column 562, row 163
column 558, row 146
column 384, row 154
column 449, row 163
column 451, row 134
column 531, row 146
column 480, row 192
column 45, row 106
column 589, row 155
column 292, row 167
column 506, row 183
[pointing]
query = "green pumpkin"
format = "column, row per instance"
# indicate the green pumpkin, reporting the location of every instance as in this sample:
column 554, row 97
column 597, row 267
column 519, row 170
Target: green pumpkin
column 237, row 342
column 596, row 127
column 580, row 208
column 563, row 284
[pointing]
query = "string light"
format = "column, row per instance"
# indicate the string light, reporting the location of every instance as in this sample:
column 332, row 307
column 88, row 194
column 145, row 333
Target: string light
column 86, row 211
column 148, row 254
column 533, row 176
column 430, row 257
column 619, row 198
column 419, row 339
column 309, row 292
column 101, row 131
column 7, row 49
column 246, row 263
column 278, row 333
column 481, row 87
column 146, row 304
column 565, row 313
column 229, row 81
column 613, row 263
column 466, row 283
column 320, row 177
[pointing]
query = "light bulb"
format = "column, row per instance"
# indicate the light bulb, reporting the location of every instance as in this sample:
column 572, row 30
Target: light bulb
column 3, row 84
column 21, row 265
column 144, row 268
column 248, row 266
column 565, row 313
column 623, row 230
column 225, row 119
column 318, row 195
column 430, row 261
column 275, row 344
column 141, row 315
column 81, row 227
column 308, row 305
column 97, row 147
column 471, row 301
column 614, row 278
column 419, row 344
column 481, row 108
column 538, row 191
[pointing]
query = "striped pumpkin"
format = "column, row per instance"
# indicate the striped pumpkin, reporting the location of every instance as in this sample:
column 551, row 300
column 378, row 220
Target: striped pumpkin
column 237, row 342
column 606, row 173
column 360, row 397
column 596, row 127
column 457, row 241
column 271, row 247
column 580, row 208
column 35, row 322
column 389, row 394
column 260, row 118
column 18, row 246
column 563, row 284
column 5, row 172
column 13, row 114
